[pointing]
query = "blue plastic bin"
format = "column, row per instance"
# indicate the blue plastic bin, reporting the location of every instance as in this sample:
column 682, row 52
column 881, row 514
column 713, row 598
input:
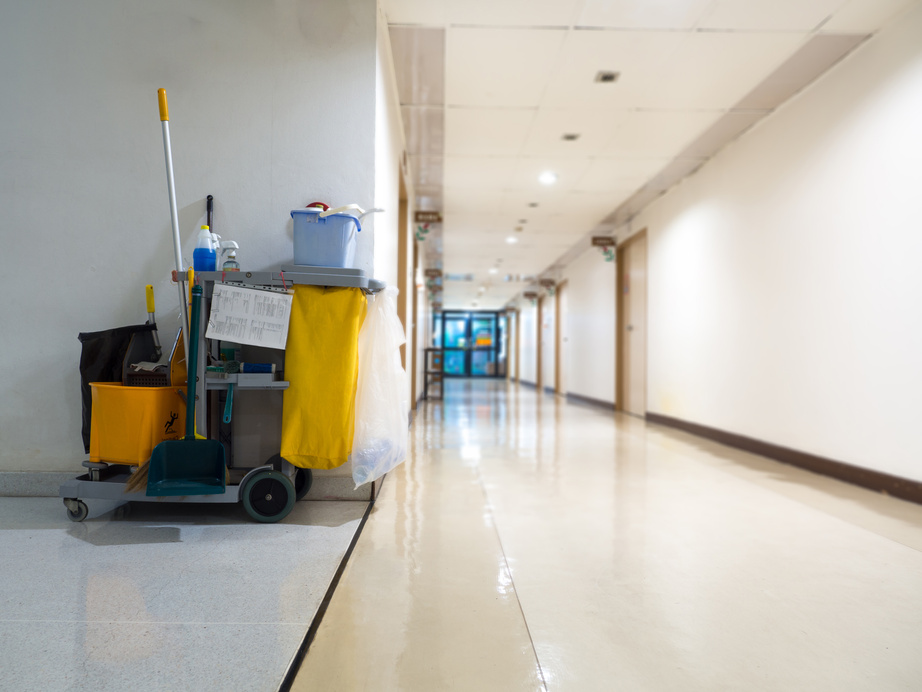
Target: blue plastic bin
column 327, row 241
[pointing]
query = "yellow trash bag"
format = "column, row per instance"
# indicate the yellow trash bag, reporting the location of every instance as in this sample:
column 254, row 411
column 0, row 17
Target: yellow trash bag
column 321, row 366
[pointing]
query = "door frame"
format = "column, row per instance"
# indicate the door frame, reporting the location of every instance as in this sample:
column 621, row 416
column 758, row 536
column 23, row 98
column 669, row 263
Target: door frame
column 539, row 334
column 468, row 350
column 621, row 375
column 558, row 336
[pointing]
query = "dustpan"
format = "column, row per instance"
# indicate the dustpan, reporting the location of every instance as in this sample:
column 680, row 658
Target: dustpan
column 188, row 466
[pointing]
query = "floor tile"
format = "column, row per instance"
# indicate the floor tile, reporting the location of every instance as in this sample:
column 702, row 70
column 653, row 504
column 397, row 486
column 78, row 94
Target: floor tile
column 529, row 542
column 164, row 596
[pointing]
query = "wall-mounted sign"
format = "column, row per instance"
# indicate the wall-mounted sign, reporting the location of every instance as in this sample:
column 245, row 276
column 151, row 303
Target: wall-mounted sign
column 603, row 241
column 547, row 283
column 433, row 273
column 530, row 295
column 428, row 217
column 436, row 307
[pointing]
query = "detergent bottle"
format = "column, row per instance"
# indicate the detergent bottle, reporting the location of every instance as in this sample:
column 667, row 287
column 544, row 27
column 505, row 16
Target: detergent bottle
column 204, row 258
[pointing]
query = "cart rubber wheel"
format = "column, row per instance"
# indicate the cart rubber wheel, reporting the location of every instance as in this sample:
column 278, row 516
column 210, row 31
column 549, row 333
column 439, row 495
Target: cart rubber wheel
column 80, row 514
column 303, row 481
column 269, row 496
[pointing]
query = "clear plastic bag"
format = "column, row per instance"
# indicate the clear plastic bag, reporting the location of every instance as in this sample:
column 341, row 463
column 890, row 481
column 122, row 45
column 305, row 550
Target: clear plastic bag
column 381, row 399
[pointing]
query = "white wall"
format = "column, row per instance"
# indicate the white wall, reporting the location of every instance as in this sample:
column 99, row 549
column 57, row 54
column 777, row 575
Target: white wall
column 272, row 106
column 528, row 342
column 512, row 324
column 548, row 344
column 389, row 148
column 784, row 280
column 590, row 325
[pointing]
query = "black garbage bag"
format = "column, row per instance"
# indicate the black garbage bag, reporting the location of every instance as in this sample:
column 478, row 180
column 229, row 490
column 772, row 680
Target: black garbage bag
column 101, row 360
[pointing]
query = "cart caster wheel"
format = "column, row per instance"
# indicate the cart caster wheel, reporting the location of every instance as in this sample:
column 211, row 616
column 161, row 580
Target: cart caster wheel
column 303, row 481
column 269, row 496
column 78, row 514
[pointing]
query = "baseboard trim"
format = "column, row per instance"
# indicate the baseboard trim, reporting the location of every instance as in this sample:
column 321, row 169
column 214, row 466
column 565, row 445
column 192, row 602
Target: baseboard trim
column 580, row 399
column 877, row 481
column 528, row 384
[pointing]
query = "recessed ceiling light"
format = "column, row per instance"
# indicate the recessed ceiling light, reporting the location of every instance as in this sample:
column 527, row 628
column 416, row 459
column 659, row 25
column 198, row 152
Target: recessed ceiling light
column 607, row 76
column 570, row 137
column 547, row 178
column 493, row 270
column 512, row 239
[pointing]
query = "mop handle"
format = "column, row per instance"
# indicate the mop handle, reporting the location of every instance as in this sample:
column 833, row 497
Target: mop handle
column 174, row 212
column 149, row 294
column 192, row 364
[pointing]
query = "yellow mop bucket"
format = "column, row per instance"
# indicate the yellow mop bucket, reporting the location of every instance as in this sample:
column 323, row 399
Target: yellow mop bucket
column 128, row 422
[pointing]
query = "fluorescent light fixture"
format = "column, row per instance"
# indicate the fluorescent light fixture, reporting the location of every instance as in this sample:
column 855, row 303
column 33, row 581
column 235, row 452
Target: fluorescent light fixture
column 547, row 178
column 512, row 239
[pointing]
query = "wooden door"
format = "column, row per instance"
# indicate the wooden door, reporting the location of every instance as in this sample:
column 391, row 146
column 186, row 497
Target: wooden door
column 560, row 353
column 632, row 325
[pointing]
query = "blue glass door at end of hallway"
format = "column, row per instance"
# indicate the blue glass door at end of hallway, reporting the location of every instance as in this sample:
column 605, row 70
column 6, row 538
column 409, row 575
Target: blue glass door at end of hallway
column 472, row 343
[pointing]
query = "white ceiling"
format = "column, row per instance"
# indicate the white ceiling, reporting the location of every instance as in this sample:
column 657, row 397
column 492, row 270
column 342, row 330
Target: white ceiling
column 488, row 88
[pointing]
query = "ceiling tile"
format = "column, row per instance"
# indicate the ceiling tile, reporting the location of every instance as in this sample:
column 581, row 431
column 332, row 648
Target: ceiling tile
column 725, row 129
column 499, row 67
column 428, row 171
column 419, row 63
column 672, row 173
column 431, row 12
column 639, row 56
column 865, row 16
column 528, row 168
column 484, row 199
column 714, row 70
column 472, row 219
column 478, row 171
column 486, row 131
column 621, row 175
column 556, row 203
column 425, row 129
column 813, row 59
column 595, row 130
column 594, row 206
column 513, row 12
column 768, row 15
column 631, row 14
column 658, row 134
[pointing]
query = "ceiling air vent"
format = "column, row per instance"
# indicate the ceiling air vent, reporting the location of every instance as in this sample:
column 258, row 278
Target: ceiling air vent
column 606, row 76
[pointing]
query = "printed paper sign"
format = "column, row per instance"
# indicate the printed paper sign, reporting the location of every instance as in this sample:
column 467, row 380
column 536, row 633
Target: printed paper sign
column 249, row 316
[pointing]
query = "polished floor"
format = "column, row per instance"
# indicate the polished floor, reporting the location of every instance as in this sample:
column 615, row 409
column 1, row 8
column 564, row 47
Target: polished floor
column 161, row 596
column 532, row 544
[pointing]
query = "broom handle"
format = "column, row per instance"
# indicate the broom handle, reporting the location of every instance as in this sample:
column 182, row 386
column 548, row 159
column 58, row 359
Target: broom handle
column 174, row 215
column 192, row 365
